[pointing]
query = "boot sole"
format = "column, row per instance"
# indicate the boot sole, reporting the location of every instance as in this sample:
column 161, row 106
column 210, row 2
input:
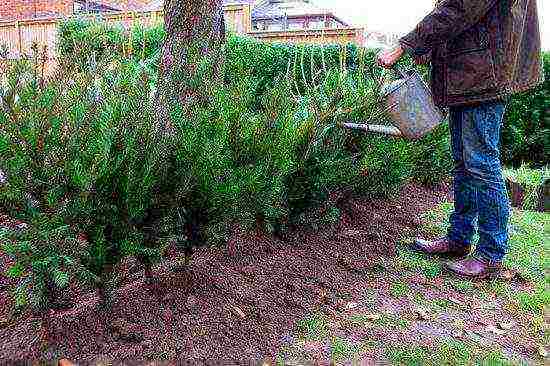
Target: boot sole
column 486, row 276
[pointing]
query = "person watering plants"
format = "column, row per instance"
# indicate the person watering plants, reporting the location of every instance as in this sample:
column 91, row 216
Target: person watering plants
column 481, row 52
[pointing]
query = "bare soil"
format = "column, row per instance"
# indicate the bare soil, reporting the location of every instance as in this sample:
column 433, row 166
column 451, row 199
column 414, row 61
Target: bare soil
column 229, row 307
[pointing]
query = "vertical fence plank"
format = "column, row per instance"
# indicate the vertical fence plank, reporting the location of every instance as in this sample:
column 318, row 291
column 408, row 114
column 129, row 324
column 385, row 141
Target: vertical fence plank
column 20, row 35
column 19, row 38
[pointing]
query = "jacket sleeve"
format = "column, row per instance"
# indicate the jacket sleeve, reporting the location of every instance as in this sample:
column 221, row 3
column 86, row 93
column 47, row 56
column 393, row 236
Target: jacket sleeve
column 449, row 19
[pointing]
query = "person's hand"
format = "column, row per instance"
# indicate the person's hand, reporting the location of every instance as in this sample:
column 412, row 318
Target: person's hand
column 422, row 60
column 388, row 58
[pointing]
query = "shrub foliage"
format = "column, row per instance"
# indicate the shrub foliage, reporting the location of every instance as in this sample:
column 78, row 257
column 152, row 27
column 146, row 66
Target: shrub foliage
column 84, row 163
column 82, row 157
column 524, row 136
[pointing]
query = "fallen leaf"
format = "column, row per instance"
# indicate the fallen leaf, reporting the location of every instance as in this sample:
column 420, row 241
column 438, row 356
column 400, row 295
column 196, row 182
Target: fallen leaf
column 495, row 330
column 478, row 285
column 326, row 297
column 459, row 323
column 4, row 322
column 508, row 274
column 457, row 333
column 506, row 325
column 513, row 275
column 489, row 306
column 456, row 301
column 239, row 311
column 65, row 362
column 422, row 314
column 475, row 304
column 543, row 352
column 126, row 331
column 438, row 282
column 372, row 317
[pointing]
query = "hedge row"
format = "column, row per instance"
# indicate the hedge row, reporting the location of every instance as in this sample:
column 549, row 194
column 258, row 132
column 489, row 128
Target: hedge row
column 524, row 137
column 526, row 133
column 83, row 40
column 81, row 155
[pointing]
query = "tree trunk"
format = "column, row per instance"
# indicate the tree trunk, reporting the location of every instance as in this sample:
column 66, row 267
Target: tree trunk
column 191, row 58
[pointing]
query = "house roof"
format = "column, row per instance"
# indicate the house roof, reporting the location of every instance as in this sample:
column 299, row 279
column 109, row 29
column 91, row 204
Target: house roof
column 126, row 5
column 97, row 5
column 267, row 9
column 228, row 2
column 154, row 5
column 261, row 9
column 275, row 9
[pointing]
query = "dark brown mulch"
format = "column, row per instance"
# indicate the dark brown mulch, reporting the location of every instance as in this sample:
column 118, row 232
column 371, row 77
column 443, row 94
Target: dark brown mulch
column 232, row 307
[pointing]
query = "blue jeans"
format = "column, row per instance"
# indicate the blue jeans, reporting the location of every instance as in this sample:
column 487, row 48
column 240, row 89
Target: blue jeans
column 479, row 189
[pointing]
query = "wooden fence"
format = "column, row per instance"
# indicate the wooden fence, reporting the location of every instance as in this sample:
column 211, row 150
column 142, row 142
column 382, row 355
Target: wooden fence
column 238, row 18
column 19, row 36
column 315, row 36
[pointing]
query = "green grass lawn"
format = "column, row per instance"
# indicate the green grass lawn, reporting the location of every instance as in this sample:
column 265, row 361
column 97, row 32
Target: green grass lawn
column 392, row 337
column 529, row 254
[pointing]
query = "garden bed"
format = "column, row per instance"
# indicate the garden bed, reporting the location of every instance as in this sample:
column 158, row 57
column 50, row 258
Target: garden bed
column 255, row 174
column 232, row 307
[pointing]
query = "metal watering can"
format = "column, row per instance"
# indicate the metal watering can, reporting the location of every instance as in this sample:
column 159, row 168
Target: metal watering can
column 410, row 105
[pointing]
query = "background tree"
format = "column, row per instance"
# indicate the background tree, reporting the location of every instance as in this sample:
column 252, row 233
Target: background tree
column 190, row 71
column 191, row 56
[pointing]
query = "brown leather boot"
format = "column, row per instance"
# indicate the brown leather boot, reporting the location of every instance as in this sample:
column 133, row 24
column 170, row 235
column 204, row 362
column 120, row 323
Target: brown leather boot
column 442, row 246
column 474, row 267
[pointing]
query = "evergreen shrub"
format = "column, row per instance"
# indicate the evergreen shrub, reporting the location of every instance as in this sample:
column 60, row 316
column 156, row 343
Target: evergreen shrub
column 78, row 153
column 526, row 132
column 83, row 156
column 525, row 135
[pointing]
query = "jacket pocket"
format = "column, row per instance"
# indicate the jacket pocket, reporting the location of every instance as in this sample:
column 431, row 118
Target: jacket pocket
column 470, row 72
column 472, row 39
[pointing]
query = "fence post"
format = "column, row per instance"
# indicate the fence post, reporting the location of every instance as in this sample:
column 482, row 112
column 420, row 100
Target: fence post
column 19, row 37
column 247, row 19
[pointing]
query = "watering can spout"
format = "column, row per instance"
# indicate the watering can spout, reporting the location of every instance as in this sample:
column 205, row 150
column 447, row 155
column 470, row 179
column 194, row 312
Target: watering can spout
column 410, row 108
column 386, row 130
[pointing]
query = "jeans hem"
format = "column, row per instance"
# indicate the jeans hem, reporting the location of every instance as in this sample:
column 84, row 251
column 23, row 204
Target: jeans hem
column 461, row 242
column 487, row 257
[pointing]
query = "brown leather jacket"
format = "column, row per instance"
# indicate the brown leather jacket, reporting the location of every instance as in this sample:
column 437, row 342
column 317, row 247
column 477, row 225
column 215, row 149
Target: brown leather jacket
column 480, row 50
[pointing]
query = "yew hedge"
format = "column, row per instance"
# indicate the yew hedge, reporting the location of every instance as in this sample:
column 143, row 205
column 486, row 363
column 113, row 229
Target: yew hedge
column 524, row 137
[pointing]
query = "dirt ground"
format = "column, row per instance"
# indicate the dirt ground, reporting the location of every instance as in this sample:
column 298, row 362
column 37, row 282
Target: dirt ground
column 230, row 307
column 245, row 306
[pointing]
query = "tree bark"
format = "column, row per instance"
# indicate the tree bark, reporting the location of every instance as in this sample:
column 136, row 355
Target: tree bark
column 191, row 57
